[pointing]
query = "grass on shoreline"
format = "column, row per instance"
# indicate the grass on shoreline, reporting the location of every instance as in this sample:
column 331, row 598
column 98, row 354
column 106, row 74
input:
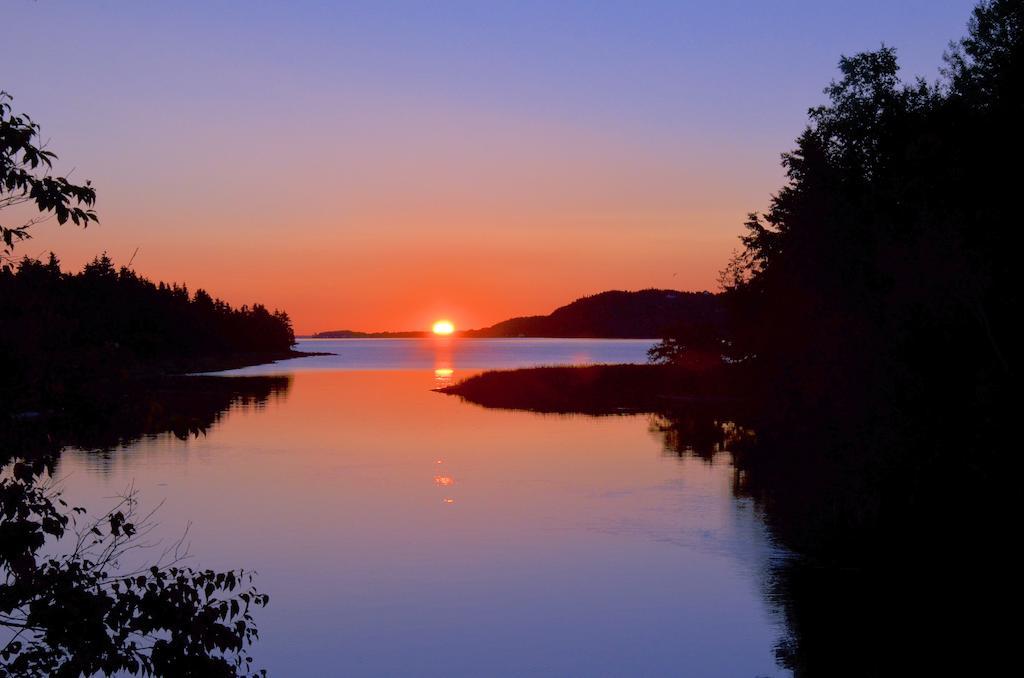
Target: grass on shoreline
column 596, row 389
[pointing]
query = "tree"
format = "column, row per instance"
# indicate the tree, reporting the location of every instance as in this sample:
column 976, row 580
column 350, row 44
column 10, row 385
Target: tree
column 70, row 603
column 695, row 345
column 25, row 177
column 894, row 222
column 77, row 613
column 876, row 299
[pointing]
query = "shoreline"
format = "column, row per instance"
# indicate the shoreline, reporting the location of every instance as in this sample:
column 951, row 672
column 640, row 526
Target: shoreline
column 235, row 361
column 128, row 377
column 598, row 389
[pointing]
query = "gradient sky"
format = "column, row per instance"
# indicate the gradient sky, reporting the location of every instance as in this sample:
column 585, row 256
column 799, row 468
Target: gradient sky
column 378, row 165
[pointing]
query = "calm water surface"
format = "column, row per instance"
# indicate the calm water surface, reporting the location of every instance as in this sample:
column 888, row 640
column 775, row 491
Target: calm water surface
column 449, row 353
column 399, row 531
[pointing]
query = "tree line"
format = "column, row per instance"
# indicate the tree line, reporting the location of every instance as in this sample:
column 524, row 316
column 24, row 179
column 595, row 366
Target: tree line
column 62, row 327
column 874, row 301
column 77, row 348
column 872, row 313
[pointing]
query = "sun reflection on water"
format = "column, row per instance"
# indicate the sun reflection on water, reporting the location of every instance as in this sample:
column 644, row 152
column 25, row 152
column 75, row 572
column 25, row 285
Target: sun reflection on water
column 444, row 480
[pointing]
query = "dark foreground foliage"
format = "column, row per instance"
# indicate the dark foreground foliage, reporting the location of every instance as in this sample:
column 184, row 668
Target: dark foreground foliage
column 74, row 347
column 874, row 303
column 71, row 607
column 25, row 179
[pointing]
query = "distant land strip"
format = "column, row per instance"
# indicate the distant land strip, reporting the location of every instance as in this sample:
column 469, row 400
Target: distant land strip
column 616, row 314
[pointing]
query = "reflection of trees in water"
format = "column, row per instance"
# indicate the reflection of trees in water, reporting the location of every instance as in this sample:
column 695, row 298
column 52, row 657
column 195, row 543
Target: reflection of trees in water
column 77, row 611
column 858, row 593
column 893, row 568
column 697, row 432
column 108, row 421
column 827, row 611
column 183, row 409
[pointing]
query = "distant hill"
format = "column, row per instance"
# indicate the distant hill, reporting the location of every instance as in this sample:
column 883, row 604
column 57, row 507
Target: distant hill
column 352, row 334
column 647, row 314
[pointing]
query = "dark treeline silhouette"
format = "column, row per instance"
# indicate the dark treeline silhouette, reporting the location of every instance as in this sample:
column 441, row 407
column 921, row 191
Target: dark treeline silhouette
column 871, row 311
column 873, row 302
column 80, row 359
column 62, row 329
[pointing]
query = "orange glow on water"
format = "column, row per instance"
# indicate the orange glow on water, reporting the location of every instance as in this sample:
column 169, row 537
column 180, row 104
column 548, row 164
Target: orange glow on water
column 443, row 376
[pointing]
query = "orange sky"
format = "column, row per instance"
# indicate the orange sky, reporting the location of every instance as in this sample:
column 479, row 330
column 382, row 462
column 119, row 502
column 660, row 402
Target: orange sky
column 393, row 235
column 376, row 166
column 404, row 272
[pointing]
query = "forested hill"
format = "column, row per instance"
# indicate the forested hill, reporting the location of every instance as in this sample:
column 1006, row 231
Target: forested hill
column 61, row 330
column 646, row 314
column 353, row 334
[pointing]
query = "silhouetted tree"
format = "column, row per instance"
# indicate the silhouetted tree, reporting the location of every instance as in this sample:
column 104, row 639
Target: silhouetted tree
column 25, row 177
column 70, row 608
column 873, row 305
column 697, row 344
column 77, row 612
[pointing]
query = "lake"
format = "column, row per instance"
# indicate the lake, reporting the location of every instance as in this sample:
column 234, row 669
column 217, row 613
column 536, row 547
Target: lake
column 400, row 531
column 444, row 353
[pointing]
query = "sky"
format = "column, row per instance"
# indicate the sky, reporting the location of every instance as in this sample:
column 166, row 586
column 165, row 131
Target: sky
column 380, row 165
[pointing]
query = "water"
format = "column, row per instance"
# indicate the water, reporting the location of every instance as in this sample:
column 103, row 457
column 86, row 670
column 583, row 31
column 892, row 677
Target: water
column 450, row 353
column 400, row 531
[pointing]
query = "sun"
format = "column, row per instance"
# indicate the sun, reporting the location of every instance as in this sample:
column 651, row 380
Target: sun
column 443, row 327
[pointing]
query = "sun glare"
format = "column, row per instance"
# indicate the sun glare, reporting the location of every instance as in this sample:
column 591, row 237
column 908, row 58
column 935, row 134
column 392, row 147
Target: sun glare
column 443, row 327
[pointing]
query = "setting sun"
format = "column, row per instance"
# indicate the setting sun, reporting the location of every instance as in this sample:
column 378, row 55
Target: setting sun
column 443, row 327
column 698, row 368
